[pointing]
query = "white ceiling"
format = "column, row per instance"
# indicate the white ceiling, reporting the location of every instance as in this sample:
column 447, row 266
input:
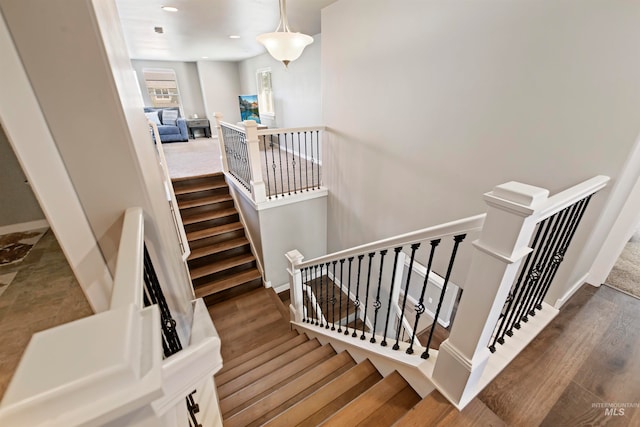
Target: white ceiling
column 201, row 28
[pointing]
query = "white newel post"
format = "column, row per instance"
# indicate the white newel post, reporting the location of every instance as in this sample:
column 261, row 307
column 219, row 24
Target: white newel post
column 223, row 153
column 253, row 147
column 497, row 256
column 295, row 285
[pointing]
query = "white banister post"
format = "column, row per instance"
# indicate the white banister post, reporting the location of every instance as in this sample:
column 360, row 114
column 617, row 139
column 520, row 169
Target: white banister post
column 497, row 255
column 223, row 153
column 295, row 285
column 257, row 184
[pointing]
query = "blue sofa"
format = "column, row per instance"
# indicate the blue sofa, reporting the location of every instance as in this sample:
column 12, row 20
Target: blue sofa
column 170, row 132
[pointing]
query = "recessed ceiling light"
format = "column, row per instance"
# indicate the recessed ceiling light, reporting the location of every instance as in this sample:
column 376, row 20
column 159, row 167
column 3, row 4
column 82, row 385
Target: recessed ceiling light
column 205, row 57
column 234, row 36
column 170, row 8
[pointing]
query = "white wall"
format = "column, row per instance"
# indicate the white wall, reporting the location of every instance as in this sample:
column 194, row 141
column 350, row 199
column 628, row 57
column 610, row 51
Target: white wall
column 82, row 77
column 220, row 89
column 430, row 104
column 188, row 84
column 296, row 90
column 17, row 202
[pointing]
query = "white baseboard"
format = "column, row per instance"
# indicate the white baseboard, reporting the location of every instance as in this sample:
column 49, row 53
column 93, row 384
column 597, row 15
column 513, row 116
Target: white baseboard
column 562, row 300
column 24, row 226
column 281, row 288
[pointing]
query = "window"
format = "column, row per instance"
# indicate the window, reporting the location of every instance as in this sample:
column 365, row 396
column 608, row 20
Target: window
column 265, row 94
column 162, row 87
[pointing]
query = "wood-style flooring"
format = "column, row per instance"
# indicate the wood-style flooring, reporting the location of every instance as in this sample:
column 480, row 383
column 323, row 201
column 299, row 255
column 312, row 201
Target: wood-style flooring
column 588, row 356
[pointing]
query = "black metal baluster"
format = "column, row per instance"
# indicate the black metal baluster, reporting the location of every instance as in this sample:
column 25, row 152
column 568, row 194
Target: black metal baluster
column 340, row 306
column 500, row 332
column 414, row 248
column 156, row 296
column 293, row 164
column 393, row 277
column 457, row 240
column 544, row 266
column 306, row 164
column 318, row 150
column 304, row 300
column 356, row 303
column 286, row 156
column 266, row 165
column 312, row 162
column 327, row 299
column 333, row 298
column 531, row 279
column 300, row 160
column 273, row 166
column 561, row 221
column 346, row 325
column 281, row 173
column 315, row 294
column 377, row 304
column 566, row 241
column 420, row 307
column 366, row 299
column 321, row 300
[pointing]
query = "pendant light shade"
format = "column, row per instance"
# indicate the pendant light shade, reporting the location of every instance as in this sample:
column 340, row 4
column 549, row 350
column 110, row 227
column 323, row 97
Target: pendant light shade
column 282, row 44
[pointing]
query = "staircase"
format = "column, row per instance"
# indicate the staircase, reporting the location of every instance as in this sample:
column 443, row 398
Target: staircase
column 221, row 263
column 277, row 377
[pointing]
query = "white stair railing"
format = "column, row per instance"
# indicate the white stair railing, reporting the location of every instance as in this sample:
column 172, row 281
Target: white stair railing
column 523, row 238
column 108, row 369
column 171, row 196
column 271, row 164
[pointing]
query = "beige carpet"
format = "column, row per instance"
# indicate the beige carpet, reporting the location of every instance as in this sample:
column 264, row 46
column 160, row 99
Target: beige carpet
column 625, row 274
column 200, row 156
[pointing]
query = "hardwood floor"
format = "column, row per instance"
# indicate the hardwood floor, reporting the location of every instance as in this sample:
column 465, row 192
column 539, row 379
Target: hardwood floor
column 588, row 356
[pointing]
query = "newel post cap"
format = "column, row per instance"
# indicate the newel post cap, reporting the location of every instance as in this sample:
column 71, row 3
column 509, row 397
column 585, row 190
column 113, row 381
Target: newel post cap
column 294, row 257
column 250, row 123
column 517, row 197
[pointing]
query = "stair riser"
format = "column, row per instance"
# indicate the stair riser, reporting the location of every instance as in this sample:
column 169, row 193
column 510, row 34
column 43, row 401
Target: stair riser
column 210, row 223
column 187, row 183
column 186, row 213
column 202, row 194
column 222, row 274
column 220, row 256
column 208, row 241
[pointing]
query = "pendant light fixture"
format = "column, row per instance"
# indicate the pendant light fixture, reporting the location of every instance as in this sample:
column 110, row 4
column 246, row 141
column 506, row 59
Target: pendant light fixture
column 282, row 44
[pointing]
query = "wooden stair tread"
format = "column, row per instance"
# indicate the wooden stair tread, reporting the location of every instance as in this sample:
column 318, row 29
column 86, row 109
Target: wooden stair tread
column 298, row 389
column 208, row 215
column 429, row 411
column 198, row 177
column 254, row 390
column 267, row 368
column 371, row 400
column 221, row 265
column 227, row 366
column 218, row 247
column 214, row 231
column 393, row 409
column 259, row 359
column 187, row 188
column 227, row 282
column 325, row 395
column 201, row 201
